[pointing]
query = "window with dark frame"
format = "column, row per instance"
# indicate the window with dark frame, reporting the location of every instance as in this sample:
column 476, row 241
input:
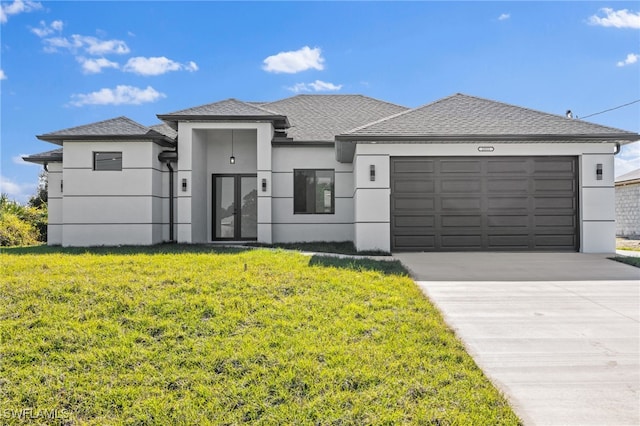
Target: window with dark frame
column 313, row 191
column 107, row 161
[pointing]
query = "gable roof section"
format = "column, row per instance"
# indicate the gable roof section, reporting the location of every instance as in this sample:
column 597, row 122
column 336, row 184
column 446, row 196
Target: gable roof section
column 229, row 109
column 322, row 117
column 464, row 117
column 119, row 128
column 629, row 178
column 53, row 156
column 164, row 129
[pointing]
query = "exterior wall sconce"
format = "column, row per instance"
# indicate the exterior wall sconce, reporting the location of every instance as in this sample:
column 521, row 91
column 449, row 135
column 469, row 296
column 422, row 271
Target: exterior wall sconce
column 61, row 185
column 264, row 185
column 372, row 172
column 598, row 171
column 184, row 184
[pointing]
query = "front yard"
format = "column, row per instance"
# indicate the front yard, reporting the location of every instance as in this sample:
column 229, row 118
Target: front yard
column 175, row 335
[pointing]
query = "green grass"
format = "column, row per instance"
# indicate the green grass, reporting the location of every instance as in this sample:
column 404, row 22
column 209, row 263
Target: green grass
column 190, row 335
column 633, row 261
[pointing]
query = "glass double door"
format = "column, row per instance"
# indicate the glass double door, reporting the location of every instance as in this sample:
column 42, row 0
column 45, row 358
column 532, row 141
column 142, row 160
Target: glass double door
column 235, row 207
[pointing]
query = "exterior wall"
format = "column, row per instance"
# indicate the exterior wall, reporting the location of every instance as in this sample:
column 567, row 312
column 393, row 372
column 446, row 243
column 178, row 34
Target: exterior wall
column 596, row 197
column 112, row 207
column 628, row 210
column 204, row 149
column 290, row 227
column 54, row 204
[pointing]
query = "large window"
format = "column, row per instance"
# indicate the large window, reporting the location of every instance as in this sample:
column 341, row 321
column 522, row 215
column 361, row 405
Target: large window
column 107, row 161
column 313, row 191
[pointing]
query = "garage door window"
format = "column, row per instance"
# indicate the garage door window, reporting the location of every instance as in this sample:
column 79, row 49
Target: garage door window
column 313, row 191
column 107, row 161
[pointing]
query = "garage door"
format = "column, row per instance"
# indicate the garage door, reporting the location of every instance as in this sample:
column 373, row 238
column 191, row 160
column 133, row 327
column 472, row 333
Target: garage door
column 482, row 203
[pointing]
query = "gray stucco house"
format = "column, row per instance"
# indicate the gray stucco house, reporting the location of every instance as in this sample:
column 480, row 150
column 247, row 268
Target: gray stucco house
column 460, row 173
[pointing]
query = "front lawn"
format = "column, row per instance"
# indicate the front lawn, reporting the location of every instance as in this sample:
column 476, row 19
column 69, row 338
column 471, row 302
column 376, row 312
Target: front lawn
column 175, row 335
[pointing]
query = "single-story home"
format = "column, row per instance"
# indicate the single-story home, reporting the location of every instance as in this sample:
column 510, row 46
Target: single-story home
column 628, row 204
column 460, row 173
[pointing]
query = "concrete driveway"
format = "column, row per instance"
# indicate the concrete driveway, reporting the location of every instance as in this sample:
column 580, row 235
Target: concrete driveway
column 558, row 333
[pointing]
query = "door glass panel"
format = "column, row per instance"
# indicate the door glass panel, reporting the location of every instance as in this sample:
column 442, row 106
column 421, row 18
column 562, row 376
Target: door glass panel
column 224, row 204
column 249, row 207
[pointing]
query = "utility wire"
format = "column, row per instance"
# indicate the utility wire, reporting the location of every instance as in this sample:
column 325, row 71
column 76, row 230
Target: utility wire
column 610, row 109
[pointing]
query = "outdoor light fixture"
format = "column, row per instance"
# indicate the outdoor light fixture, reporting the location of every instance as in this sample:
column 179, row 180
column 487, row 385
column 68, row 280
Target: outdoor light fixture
column 485, row 148
column 372, row 172
column 598, row 171
column 232, row 159
column 61, row 185
column 184, row 184
column 264, row 185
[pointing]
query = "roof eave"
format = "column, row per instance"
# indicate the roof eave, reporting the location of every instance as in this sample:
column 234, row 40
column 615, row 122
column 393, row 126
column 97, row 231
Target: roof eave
column 59, row 139
column 601, row 137
column 41, row 160
column 172, row 119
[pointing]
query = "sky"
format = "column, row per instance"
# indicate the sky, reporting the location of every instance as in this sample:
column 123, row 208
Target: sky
column 64, row 64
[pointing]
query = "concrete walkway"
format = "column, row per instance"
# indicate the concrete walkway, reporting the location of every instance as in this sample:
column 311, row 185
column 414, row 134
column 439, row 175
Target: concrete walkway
column 559, row 334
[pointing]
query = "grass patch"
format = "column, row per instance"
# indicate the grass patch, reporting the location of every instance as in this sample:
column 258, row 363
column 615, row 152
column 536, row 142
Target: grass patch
column 172, row 335
column 633, row 261
column 339, row 247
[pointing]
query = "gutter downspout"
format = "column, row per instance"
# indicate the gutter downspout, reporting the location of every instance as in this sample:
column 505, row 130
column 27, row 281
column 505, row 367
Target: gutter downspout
column 171, row 195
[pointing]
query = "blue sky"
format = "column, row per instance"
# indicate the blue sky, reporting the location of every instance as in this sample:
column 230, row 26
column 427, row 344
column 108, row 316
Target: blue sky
column 70, row 63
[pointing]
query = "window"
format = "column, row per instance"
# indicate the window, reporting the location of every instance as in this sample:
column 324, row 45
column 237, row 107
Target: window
column 313, row 192
column 107, row 161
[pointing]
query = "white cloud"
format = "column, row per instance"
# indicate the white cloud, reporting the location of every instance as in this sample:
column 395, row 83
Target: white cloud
column 616, row 18
column 121, row 95
column 19, row 161
column 295, row 61
column 504, row 17
column 91, row 45
column 156, row 65
column 18, row 6
column 95, row 66
column 17, row 191
column 3, row 76
column 45, row 30
column 631, row 58
column 316, row 86
column 628, row 159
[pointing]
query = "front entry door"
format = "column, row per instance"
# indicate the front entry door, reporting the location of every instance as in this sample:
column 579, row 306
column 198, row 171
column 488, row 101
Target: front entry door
column 235, row 207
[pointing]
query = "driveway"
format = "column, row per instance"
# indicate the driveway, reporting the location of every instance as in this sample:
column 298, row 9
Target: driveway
column 558, row 333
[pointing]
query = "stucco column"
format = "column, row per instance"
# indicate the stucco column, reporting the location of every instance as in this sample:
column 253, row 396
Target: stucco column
column 264, row 169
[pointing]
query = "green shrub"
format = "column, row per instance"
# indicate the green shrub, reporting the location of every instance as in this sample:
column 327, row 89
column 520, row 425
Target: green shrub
column 15, row 231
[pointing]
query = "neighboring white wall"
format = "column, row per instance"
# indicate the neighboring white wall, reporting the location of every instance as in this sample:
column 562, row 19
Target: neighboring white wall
column 628, row 210
column 54, row 204
column 290, row 227
column 597, row 226
column 111, row 207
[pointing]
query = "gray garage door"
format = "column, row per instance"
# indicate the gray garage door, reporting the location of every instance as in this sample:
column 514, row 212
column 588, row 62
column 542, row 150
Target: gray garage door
column 482, row 203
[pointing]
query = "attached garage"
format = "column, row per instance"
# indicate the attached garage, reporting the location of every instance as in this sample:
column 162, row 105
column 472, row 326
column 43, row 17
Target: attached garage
column 484, row 203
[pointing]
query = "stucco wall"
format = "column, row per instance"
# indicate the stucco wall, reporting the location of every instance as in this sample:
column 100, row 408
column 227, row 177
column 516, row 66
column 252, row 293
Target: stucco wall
column 628, row 210
column 596, row 197
column 290, row 227
column 111, row 207
column 54, row 204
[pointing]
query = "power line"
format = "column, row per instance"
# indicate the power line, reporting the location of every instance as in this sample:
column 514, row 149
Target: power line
column 610, row 109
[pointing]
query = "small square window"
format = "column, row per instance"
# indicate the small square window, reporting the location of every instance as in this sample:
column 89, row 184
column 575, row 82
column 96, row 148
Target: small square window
column 107, row 161
column 313, row 191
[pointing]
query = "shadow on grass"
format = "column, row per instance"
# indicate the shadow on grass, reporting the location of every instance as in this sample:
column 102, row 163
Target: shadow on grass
column 387, row 267
column 125, row 250
column 633, row 261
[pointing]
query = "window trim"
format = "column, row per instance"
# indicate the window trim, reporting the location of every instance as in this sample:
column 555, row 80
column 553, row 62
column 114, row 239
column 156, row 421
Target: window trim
column 96, row 169
column 333, row 191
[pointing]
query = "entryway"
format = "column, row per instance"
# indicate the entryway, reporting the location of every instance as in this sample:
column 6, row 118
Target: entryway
column 235, row 207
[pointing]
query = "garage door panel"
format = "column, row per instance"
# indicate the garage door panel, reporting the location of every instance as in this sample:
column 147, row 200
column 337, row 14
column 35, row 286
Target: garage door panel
column 497, row 203
column 414, row 186
column 460, row 166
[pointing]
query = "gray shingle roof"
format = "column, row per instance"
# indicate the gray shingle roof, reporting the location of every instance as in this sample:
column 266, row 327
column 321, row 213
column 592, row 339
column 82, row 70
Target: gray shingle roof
column 464, row 115
column 114, row 128
column 228, row 107
column 321, row 117
column 164, row 129
column 632, row 175
column 45, row 157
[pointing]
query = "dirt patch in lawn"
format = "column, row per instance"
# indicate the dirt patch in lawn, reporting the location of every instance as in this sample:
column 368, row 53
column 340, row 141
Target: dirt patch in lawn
column 627, row 244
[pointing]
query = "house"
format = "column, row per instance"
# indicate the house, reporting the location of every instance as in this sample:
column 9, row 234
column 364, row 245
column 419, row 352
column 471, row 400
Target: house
column 461, row 173
column 628, row 204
